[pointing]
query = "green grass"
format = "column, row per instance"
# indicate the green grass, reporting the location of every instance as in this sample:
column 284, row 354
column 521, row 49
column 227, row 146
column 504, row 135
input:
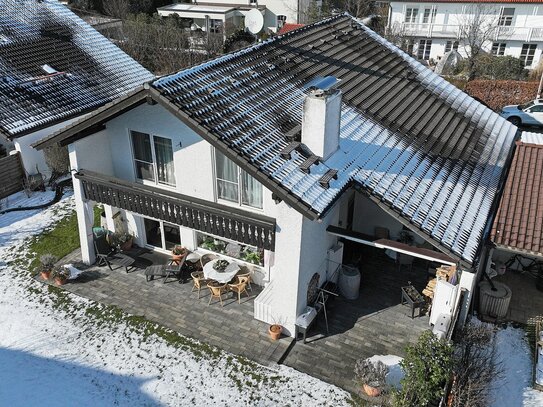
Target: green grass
column 59, row 241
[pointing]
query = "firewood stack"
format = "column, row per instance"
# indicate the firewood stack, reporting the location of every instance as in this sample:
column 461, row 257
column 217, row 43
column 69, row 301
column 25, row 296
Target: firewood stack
column 443, row 273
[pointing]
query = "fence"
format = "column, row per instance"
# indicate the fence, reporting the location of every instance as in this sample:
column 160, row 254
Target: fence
column 11, row 175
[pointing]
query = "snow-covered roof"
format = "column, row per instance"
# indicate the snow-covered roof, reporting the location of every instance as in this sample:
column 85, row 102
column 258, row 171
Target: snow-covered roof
column 416, row 143
column 531, row 137
column 54, row 66
column 420, row 148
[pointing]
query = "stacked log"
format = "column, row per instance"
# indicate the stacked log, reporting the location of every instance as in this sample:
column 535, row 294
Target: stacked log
column 442, row 273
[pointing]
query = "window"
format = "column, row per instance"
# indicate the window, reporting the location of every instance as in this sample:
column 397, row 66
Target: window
column 236, row 185
column 506, row 17
column 527, row 54
column 162, row 235
column 498, row 48
column 411, row 15
column 153, row 158
column 449, row 45
column 281, row 21
column 230, row 248
column 536, row 109
column 429, row 15
column 423, row 51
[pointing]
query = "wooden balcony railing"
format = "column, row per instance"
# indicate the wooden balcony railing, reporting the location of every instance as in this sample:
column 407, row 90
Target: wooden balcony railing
column 206, row 216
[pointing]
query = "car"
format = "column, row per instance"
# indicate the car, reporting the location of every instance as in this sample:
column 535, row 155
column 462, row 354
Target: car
column 529, row 114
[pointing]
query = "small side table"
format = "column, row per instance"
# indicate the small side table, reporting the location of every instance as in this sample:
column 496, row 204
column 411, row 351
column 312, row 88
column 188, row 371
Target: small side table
column 412, row 298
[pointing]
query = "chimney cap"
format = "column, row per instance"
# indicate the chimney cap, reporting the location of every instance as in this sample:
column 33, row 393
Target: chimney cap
column 325, row 84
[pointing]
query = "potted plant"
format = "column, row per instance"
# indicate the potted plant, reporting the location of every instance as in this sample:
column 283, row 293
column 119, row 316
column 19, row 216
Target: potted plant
column 275, row 331
column 47, row 262
column 372, row 376
column 178, row 252
column 252, row 257
column 60, row 274
column 122, row 241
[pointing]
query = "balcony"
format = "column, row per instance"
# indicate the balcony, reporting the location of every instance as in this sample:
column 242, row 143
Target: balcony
column 525, row 34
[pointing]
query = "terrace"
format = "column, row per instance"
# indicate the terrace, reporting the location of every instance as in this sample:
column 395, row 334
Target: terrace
column 376, row 323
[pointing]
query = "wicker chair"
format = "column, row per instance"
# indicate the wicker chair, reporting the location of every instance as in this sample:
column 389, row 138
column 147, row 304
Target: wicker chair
column 217, row 291
column 239, row 287
column 246, row 273
column 206, row 258
column 199, row 281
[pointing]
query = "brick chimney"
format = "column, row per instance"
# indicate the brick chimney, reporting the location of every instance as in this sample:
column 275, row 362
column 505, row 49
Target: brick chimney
column 321, row 118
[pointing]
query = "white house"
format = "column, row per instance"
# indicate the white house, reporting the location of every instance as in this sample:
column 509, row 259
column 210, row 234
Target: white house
column 436, row 27
column 288, row 148
column 54, row 68
column 223, row 13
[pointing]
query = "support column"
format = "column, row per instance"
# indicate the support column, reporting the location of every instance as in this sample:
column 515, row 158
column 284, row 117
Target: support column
column 85, row 221
column 85, row 213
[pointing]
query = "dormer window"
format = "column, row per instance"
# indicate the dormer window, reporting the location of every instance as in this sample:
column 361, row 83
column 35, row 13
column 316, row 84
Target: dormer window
column 49, row 70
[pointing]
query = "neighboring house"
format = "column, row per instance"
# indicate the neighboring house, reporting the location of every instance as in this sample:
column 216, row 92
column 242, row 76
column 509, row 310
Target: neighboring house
column 518, row 227
column 54, row 68
column 437, row 27
column 222, row 14
column 288, row 147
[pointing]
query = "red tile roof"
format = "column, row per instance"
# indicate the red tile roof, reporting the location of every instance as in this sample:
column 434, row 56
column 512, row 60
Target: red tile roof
column 519, row 221
column 289, row 27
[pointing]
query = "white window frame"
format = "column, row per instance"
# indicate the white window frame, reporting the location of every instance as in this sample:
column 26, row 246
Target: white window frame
column 156, row 182
column 498, row 48
column 411, row 15
column 506, row 20
column 429, row 15
column 239, row 202
column 527, row 56
column 426, row 49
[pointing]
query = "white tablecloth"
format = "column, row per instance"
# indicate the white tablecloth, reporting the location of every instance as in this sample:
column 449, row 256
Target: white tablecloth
column 222, row 277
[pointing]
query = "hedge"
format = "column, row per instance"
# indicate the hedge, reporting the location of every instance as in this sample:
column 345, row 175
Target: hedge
column 497, row 94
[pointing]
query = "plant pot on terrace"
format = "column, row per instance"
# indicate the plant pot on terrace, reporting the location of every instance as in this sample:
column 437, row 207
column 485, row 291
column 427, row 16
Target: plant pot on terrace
column 60, row 275
column 275, row 331
column 178, row 253
column 371, row 376
column 47, row 262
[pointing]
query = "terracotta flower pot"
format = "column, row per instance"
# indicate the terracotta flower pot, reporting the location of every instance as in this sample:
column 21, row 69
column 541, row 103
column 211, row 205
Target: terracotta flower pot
column 60, row 281
column 275, row 331
column 127, row 245
column 371, row 391
column 177, row 258
column 45, row 275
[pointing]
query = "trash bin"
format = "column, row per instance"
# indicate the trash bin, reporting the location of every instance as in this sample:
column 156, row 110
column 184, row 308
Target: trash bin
column 349, row 282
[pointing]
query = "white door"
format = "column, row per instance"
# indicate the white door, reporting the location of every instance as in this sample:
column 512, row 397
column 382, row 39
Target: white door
column 444, row 298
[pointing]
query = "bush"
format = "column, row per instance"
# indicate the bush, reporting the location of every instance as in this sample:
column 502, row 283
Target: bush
column 497, row 94
column 47, row 261
column 427, row 368
column 373, row 374
column 494, row 67
column 57, row 159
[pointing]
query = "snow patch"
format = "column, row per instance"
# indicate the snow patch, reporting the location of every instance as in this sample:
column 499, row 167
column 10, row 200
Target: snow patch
column 395, row 372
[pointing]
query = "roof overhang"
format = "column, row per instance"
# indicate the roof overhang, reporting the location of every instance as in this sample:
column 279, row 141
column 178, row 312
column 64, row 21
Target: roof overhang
column 146, row 94
column 422, row 253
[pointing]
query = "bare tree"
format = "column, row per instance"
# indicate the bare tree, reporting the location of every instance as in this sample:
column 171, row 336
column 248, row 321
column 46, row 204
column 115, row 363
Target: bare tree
column 475, row 366
column 478, row 26
column 359, row 8
column 116, row 8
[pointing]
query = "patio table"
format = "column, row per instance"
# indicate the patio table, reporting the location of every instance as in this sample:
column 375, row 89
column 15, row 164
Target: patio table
column 221, row 276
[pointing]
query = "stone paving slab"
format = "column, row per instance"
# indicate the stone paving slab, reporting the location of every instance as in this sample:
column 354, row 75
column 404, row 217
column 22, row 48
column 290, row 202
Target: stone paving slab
column 174, row 306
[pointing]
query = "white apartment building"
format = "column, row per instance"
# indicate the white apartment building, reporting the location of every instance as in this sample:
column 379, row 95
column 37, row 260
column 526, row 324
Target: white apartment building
column 436, row 27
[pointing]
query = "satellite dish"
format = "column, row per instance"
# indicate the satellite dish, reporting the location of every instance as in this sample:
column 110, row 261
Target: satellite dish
column 254, row 21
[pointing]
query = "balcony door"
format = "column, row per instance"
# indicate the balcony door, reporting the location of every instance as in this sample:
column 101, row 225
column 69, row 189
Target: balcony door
column 161, row 235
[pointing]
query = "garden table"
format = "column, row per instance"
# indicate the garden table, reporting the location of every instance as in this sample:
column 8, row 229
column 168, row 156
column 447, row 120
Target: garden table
column 221, row 276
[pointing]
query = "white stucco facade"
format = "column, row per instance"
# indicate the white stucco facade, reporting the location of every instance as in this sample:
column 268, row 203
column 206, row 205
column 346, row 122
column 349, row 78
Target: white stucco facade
column 435, row 27
column 35, row 159
column 225, row 12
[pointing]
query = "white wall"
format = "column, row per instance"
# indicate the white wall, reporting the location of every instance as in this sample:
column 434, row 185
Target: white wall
column 527, row 25
column 32, row 157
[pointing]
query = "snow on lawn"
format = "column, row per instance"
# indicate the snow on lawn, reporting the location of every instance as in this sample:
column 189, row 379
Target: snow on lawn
column 57, row 349
column 515, row 387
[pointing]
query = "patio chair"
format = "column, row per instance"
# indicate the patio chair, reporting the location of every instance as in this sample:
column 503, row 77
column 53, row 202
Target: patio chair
column 206, row 258
column 245, row 272
column 239, row 287
column 107, row 255
column 199, row 281
column 217, row 291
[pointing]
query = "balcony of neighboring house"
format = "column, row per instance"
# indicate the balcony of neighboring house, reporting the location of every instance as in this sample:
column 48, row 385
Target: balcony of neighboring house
column 502, row 33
